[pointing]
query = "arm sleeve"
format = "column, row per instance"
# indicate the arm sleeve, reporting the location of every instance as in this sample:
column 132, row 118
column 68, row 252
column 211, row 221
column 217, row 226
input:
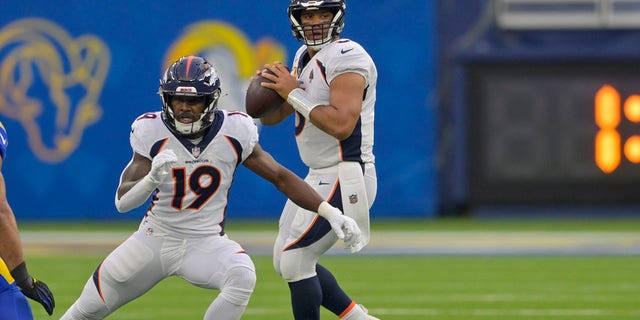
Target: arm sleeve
column 141, row 191
column 136, row 196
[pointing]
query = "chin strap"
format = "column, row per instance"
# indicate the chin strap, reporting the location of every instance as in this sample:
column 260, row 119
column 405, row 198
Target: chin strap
column 188, row 128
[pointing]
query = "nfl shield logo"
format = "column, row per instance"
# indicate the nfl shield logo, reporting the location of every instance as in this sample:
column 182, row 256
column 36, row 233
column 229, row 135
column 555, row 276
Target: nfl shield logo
column 353, row 199
column 195, row 151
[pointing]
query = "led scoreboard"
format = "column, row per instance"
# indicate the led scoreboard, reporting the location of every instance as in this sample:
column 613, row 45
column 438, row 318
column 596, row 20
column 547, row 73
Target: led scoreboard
column 553, row 132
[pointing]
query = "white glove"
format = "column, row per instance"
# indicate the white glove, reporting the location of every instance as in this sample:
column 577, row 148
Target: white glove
column 161, row 165
column 352, row 234
column 345, row 227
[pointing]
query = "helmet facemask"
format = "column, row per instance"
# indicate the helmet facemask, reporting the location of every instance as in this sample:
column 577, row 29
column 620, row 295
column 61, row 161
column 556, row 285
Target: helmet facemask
column 198, row 125
column 332, row 29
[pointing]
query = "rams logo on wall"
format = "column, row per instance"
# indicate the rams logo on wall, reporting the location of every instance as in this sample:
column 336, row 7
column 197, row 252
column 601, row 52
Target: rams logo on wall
column 68, row 74
column 38, row 55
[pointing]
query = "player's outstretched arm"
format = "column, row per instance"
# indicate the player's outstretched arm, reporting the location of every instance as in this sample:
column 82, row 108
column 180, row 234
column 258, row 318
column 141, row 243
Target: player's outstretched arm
column 287, row 182
column 302, row 194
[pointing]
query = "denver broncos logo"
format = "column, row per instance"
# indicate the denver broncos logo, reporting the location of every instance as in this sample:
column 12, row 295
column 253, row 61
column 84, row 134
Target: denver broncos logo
column 38, row 56
column 232, row 54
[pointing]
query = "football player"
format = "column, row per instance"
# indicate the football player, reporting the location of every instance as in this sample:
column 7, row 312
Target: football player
column 331, row 89
column 185, row 157
column 13, row 304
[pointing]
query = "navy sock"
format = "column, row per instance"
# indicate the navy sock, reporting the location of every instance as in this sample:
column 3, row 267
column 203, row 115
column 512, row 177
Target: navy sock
column 306, row 296
column 333, row 297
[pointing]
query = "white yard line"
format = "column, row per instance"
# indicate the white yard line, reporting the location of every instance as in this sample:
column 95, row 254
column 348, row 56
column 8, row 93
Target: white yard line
column 387, row 242
column 483, row 313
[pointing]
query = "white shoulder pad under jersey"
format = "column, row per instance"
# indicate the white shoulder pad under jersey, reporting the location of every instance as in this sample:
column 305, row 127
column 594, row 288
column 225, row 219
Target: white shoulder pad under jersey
column 317, row 148
column 192, row 200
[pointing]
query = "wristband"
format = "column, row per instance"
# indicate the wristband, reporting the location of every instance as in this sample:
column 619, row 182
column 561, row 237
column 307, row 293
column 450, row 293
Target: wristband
column 300, row 101
column 137, row 195
column 326, row 210
column 20, row 273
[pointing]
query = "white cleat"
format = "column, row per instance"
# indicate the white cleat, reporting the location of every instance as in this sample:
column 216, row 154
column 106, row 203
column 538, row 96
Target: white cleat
column 369, row 317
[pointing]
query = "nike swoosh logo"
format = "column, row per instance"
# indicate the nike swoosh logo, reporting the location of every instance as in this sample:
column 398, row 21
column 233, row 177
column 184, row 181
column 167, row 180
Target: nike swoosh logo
column 343, row 51
column 4, row 141
column 323, row 183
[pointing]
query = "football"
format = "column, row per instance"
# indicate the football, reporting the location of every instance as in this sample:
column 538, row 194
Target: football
column 261, row 101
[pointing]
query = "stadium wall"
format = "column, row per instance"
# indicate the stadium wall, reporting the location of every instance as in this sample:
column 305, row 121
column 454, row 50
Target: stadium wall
column 75, row 75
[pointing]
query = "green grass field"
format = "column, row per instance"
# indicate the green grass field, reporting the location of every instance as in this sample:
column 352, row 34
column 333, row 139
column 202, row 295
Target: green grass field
column 400, row 286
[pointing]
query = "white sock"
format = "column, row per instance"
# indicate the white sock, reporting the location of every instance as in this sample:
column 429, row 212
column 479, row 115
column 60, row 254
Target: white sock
column 357, row 313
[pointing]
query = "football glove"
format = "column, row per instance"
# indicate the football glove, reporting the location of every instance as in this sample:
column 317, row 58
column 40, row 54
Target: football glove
column 161, row 165
column 33, row 288
column 345, row 227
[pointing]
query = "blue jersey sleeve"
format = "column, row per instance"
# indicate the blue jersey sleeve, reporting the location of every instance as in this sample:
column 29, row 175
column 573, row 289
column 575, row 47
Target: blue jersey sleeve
column 4, row 140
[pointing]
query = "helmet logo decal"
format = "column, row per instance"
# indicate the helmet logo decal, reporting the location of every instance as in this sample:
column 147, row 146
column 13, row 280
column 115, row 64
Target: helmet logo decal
column 186, row 89
column 40, row 51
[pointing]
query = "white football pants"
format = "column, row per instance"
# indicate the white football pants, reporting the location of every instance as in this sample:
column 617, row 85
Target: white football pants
column 140, row 262
column 302, row 239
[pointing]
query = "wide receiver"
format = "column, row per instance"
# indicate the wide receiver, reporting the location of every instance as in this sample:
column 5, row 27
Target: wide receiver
column 185, row 157
column 332, row 92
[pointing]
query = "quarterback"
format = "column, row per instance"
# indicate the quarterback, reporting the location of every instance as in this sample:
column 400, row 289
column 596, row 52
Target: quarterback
column 185, row 157
column 331, row 89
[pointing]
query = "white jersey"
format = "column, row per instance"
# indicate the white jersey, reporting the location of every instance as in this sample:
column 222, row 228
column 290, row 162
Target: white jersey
column 192, row 200
column 317, row 148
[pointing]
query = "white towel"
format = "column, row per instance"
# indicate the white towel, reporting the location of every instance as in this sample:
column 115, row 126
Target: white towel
column 354, row 199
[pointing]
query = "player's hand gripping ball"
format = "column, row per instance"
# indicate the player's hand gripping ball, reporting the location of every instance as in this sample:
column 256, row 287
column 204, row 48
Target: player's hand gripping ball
column 261, row 101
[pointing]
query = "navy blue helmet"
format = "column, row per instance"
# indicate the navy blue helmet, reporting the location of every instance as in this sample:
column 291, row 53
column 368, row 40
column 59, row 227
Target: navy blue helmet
column 195, row 77
column 337, row 7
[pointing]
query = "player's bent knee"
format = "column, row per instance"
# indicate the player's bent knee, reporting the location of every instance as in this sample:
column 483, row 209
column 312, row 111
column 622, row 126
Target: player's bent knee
column 239, row 285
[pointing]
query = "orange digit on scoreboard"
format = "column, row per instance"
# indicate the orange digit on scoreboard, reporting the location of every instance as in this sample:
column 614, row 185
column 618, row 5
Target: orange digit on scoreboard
column 607, row 116
column 608, row 147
